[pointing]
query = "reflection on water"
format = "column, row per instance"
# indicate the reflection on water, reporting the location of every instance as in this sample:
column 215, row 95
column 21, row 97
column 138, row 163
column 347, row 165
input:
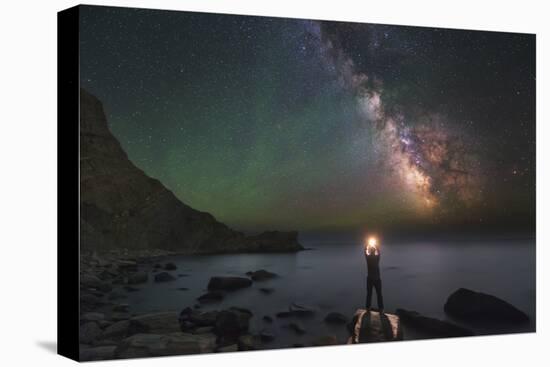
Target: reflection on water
column 331, row 278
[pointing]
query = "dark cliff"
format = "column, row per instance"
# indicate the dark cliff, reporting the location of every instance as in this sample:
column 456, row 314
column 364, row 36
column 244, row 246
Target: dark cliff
column 122, row 207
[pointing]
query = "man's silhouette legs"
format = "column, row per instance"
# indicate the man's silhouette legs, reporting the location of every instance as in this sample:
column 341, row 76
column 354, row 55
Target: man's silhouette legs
column 377, row 285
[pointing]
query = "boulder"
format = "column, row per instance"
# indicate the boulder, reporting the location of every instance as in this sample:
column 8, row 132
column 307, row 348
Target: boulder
column 261, row 274
column 335, row 318
column 232, row 323
column 89, row 332
column 433, row 327
column 118, row 316
column 93, row 282
column 156, row 323
column 129, row 288
column 97, row 353
column 479, row 307
column 170, row 266
column 151, row 345
column 297, row 328
column 164, row 277
column 266, row 336
column 125, row 207
column 228, row 283
column 137, row 277
column 190, row 319
column 370, row 327
column 213, row 296
column 117, row 330
column 228, row 348
column 121, row 307
column 92, row 316
column 249, row 342
column 325, row 340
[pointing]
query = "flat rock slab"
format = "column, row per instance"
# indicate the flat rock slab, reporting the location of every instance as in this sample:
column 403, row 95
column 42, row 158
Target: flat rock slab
column 372, row 327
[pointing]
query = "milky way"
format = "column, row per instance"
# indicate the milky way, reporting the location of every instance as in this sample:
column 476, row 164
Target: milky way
column 431, row 163
column 316, row 125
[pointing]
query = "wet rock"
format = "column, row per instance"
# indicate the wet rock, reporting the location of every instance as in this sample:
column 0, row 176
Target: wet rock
column 183, row 289
column 369, row 327
column 325, row 340
column 89, row 332
column 335, row 318
column 156, row 323
column 170, row 266
column 92, row 316
column 267, row 318
column 260, row 275
column 117, row 330
column 97, row 353
column 479, row 307
column 93, row 282
column 131, row 289
column 213, row 296
column 297, row 328
column 296, row 310
column 138, row 278
column 433, row 327
column 267, row 290
column 231, row 323
column 249, row 342
column 228, row 283
column 266, row 337
column 121, row 307
column 204, row 330
column 164, row 277
column 178, row 343
column 228, row 348
column 118, row 316
column 190, row 319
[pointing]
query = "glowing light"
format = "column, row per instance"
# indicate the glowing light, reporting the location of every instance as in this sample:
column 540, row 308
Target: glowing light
column 372, row 241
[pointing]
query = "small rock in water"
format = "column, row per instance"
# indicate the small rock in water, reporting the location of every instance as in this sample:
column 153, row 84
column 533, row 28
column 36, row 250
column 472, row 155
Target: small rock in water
column 182, row 275
column 267, row 318
column 297, row 328
column 170, row 266
column 164, row 277
column 138, row 278
column 183, row 289
column 261, row 274
column 267, row 290
column 213, row 296
column 228, row 283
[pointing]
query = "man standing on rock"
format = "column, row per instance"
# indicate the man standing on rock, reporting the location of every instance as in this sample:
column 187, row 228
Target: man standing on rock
column 372, row 255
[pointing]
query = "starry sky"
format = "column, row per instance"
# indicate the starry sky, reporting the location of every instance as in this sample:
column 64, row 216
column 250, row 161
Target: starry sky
column 274, row 123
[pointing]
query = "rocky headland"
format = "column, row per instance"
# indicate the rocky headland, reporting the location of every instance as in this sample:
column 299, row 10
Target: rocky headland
column 122, row 207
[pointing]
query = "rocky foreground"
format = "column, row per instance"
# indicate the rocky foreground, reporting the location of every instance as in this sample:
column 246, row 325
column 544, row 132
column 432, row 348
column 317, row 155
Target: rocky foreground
column 123, row 207
column 108, row 329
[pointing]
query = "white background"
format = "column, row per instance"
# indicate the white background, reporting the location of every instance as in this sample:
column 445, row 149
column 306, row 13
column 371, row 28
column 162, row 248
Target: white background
column 28, row 171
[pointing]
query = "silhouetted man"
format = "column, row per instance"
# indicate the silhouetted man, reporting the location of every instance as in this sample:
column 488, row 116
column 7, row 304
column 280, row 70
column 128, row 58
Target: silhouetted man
column 372, row 255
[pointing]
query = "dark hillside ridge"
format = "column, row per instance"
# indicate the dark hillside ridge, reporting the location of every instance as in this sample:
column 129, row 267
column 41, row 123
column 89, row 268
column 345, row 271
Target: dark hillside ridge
column 122, row 207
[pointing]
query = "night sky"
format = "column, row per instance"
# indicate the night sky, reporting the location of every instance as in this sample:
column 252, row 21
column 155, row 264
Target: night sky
column 273, row 123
